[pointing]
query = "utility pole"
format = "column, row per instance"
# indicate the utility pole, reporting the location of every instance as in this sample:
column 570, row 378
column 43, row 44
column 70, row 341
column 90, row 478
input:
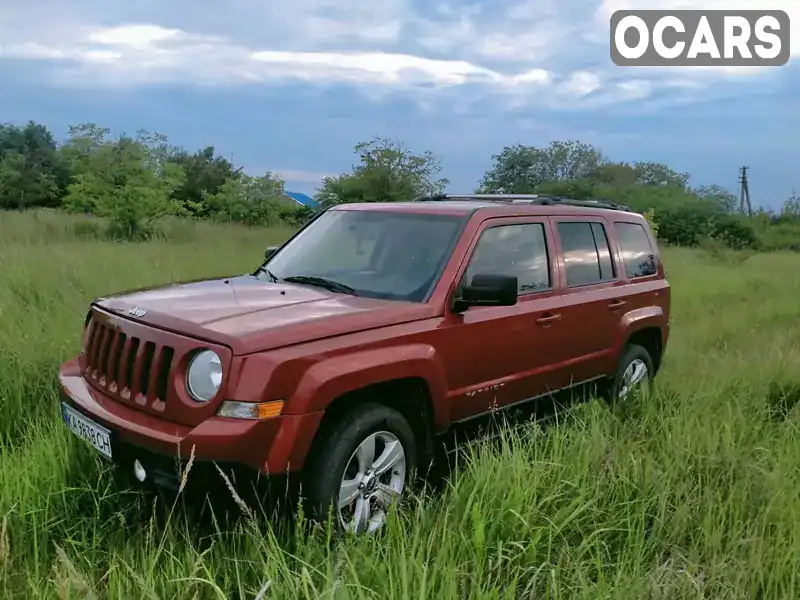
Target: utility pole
column 744, row 193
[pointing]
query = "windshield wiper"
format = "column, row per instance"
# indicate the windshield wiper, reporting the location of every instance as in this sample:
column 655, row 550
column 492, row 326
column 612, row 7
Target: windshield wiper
column 272, row 277
column 328, row 284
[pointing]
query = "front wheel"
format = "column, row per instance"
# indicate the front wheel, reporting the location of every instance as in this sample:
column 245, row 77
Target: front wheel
column 361, row 466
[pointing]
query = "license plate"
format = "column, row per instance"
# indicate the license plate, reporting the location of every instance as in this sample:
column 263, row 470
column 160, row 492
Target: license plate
column 86, row 429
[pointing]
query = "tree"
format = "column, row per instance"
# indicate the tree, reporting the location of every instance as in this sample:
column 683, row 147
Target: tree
column 84, row 141
column 614, row 173
column 520, row 169
column 572, row 160
column 248, row 200
column 517, row 169
column 388, row 172
column 790, row 210
column 577, row 189
column 206, row 173
column 159, row 151
column 23, row 185
column 657, row 174
column 718, row 195
column 32, row 172
column 125, row 183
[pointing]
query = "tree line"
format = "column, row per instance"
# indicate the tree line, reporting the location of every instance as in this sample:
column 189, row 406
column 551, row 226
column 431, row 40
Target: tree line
column 134, row 181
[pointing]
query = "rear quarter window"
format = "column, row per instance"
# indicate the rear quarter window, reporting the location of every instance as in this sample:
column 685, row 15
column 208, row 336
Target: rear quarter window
column 638, row 254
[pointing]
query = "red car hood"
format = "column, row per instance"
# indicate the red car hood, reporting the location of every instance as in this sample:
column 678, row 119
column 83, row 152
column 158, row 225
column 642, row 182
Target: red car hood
column 250, row 315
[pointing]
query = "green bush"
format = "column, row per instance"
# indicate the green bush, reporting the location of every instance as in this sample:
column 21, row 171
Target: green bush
column 248, row 200
column 734, row 231
column 125, row 186
column 777, row 233
column 296, row 216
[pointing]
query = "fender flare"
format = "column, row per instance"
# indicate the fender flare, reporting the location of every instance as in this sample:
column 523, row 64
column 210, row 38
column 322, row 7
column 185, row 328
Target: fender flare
column 637, row 320
column 328, row 379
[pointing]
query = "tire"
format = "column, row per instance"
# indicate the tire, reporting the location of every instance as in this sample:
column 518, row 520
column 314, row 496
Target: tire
column 633, row 359
column 336, row 461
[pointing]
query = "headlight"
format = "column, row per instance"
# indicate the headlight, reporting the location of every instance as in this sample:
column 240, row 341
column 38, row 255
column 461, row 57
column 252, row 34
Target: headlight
column 204, row 376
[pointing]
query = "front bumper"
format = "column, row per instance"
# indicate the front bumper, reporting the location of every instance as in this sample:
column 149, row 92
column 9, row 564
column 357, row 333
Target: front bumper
column 272, row 446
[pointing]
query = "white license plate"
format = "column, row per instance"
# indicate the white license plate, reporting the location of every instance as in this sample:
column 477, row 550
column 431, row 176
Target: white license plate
column 86, row 429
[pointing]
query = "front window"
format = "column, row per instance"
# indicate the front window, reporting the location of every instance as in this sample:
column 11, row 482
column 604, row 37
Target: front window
column 378, row 254
column 518, row 250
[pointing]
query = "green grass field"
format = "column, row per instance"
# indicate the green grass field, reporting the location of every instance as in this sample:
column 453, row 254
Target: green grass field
column 695, row 494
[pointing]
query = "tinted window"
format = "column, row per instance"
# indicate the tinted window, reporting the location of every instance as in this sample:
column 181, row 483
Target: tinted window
column 603, row 251
column 516, row 250
column 637, row 253
column 587, row 257
column 381, row 254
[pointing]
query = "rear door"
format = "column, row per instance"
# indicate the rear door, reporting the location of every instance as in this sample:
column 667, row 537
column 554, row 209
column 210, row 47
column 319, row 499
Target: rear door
column 593, row 297
column 498, row 355
column 641, row 265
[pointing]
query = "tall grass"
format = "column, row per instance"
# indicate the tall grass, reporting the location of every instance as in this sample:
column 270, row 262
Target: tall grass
column 694, row 494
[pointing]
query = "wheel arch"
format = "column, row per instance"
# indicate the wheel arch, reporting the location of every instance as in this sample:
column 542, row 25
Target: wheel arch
column 649, row 338
column 644, row 327
column 408, row 379
column 409, row 396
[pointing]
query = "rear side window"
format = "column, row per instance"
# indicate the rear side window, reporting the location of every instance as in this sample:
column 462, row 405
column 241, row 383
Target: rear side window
column 637, row 252
column 587, row 256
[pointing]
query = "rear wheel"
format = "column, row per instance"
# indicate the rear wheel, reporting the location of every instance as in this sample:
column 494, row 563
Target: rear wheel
column 634, row 374
column 361, row 466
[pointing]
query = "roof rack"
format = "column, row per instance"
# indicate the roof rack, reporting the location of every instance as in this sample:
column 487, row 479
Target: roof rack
column 538, row 199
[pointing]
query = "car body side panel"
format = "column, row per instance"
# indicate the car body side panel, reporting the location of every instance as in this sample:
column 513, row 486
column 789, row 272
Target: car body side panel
column 328, row 379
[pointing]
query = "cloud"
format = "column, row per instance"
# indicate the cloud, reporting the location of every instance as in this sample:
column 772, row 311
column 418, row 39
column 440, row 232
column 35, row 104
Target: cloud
column 141, row 53
column 582, row 83
column 551, row 53
column 373, row 67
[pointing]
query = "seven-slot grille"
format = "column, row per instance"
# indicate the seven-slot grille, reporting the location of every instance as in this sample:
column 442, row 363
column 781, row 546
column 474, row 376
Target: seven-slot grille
column 127, row 365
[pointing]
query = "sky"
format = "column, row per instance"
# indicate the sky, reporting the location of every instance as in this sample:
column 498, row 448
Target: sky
column 291, row 87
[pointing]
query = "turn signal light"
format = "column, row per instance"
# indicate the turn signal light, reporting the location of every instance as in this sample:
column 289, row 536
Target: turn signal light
column 250, row 410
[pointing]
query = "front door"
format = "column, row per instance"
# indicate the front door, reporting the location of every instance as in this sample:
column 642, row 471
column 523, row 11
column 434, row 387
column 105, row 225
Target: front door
column 499, row 355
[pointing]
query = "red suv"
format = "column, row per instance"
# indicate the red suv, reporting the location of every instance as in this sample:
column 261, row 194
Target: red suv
column 371, row 332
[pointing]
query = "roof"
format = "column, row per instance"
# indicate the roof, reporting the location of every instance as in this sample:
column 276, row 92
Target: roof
column 302, row 199
column 491, row 208
column 455, row 208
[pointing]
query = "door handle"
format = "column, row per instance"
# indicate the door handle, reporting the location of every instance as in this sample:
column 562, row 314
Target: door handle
column 616, row 304
column 548, row 319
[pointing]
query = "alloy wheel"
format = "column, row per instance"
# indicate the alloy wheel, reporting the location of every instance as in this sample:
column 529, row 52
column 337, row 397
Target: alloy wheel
column 374, row 477
column 635, row 378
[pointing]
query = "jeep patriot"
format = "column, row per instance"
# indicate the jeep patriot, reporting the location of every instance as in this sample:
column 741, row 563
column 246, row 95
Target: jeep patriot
column 373, row 330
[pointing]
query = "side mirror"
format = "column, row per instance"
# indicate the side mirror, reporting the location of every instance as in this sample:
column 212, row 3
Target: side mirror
column 270, row 251
column 487, row 290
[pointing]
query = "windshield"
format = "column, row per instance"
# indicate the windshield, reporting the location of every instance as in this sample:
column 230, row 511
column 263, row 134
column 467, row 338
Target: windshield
column 378, row 254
